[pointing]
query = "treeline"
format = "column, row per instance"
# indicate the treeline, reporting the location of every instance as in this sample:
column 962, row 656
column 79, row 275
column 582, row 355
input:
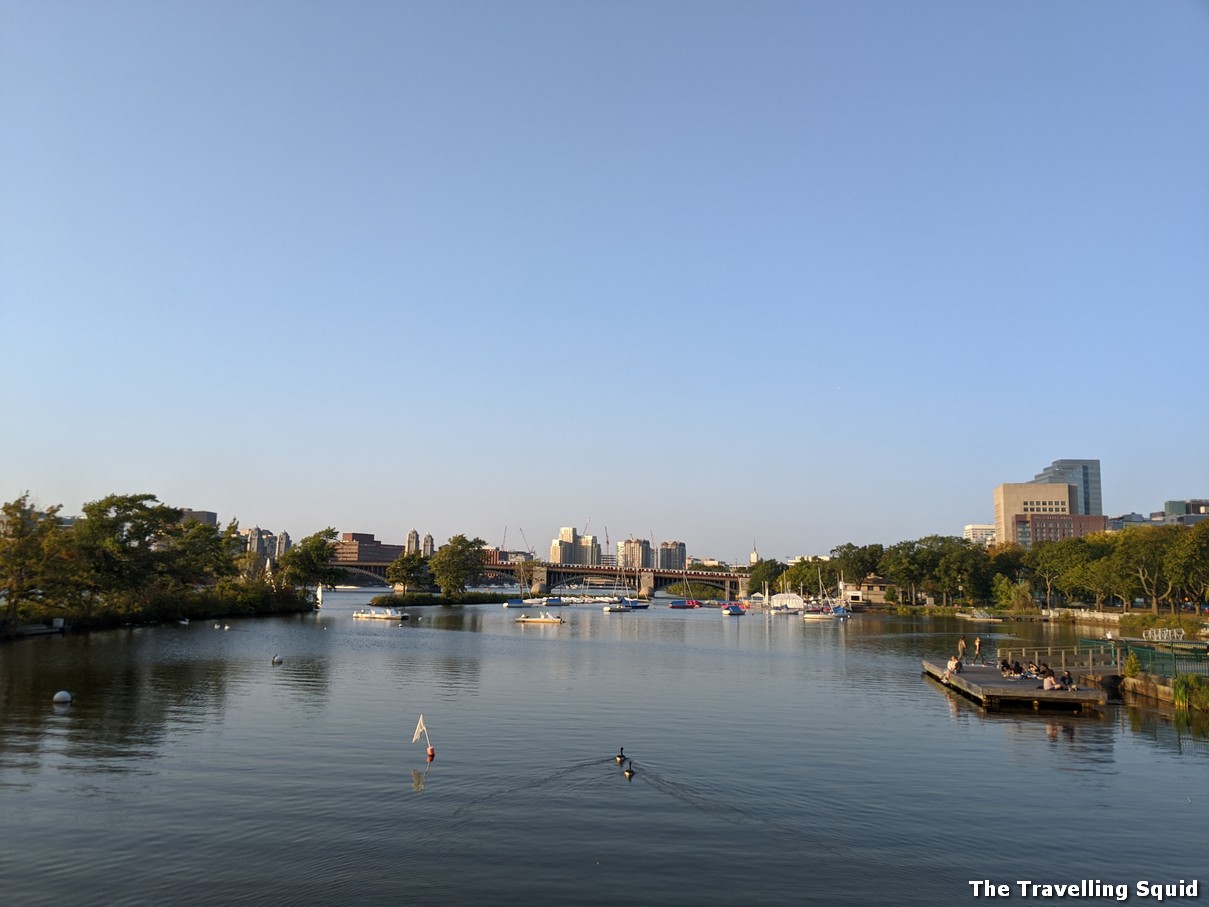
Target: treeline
column 131, row 558
column 1167, row 566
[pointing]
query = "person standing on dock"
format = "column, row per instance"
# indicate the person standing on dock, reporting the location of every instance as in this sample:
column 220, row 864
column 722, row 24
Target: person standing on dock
column 961, row 648
column 979, row 658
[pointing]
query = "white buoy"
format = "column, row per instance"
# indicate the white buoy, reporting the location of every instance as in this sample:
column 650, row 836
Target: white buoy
column 276, row 659
column 62, row 697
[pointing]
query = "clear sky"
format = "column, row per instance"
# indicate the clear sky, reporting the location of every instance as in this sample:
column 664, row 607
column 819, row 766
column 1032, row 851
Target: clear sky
column 791, row 273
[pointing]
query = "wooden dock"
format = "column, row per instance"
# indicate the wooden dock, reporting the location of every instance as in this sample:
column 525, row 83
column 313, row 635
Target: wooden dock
column 988, row 687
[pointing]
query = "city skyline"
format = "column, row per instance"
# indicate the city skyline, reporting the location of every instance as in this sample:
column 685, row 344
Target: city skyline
column 784, row 277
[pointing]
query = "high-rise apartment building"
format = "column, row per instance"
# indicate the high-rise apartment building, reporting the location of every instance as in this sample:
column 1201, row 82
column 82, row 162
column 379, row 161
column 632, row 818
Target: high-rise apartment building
column 1084, row 475
column 633, row 553
column 572, row 548
column 672, row 556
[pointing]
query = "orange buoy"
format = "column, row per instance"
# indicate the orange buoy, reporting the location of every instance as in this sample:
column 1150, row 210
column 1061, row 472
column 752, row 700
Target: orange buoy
column 432, row 753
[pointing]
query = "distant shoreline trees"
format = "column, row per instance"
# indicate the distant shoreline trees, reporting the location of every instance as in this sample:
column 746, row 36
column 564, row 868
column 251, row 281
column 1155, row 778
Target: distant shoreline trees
column 131, row 558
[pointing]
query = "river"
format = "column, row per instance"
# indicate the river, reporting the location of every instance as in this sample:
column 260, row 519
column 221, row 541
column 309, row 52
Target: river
column 776, row 761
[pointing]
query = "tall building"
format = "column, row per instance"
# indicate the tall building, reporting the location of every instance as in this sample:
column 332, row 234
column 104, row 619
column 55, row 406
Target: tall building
column 1031, row 512
column 209, row 517
column 572, row 548
column 427, row 547
column 633, row 553
column 672, row 556
column 1084, row 475
column 413, row 542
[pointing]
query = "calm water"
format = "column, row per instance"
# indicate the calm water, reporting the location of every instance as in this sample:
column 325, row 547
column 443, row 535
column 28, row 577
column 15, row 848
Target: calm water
column 776, row 761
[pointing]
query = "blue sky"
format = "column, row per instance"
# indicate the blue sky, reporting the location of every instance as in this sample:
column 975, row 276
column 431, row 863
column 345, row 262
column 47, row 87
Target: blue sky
column 796, row 274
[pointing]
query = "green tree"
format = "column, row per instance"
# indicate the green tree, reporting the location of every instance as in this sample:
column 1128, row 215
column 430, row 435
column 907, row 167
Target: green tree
column 765, row 572
column 458, row 563
column 901, row 566
column 124, row 542
column 1141, row 554
column 407, row 570
column 1187, row 561
column 36, row 559
column 201, row 554
column 854, row 562
column 803, row 577
column 309, row 563
column 1008, row 559
column 1051, row 561
column 1014, row 596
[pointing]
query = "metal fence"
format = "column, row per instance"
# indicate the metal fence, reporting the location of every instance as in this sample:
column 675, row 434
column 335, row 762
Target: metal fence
column 1167, row 660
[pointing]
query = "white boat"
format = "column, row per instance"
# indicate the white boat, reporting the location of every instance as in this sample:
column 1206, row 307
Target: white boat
column 546, row 618
column 617, row 609
column 786, row 603
column 381, row 614
column 818, row 612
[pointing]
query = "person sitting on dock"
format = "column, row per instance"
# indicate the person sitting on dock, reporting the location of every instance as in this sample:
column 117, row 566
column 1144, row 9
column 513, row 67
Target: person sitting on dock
column 954, row 667
column 1068, row 682
column 1032, row 670
column 1050, row 682
column 1017, row 670
column 1005, row 667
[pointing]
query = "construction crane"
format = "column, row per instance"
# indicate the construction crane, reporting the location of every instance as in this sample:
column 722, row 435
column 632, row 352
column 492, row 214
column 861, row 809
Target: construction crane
column 504, row 543
column 526, row 541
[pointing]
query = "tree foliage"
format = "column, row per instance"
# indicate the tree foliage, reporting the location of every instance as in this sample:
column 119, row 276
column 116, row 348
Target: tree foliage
column 407, row 570
column 765, row 573
column 458, row 563
column 128, row 557
column 35, row 559
column 309, row 563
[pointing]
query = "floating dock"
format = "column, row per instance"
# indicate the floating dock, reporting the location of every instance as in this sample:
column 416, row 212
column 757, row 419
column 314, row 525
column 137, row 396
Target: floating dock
column 988, row 687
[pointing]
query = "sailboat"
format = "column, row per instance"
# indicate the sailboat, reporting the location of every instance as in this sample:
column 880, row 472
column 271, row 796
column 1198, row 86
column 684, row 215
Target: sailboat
column 824, row 607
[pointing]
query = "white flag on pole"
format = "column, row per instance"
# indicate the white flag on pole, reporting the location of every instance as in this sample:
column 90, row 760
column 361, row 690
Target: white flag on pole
column 420, row 729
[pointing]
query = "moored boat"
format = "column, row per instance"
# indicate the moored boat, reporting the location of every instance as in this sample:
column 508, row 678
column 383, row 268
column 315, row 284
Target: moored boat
column 546, row 618
column 381, row 614
column 733, row 611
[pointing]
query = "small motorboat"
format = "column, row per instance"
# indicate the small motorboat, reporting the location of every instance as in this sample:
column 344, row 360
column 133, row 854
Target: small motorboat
column 733, row 611
column 617, row 609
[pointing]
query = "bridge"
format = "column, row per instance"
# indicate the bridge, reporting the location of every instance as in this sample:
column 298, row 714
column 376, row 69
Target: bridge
column 548, row 577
